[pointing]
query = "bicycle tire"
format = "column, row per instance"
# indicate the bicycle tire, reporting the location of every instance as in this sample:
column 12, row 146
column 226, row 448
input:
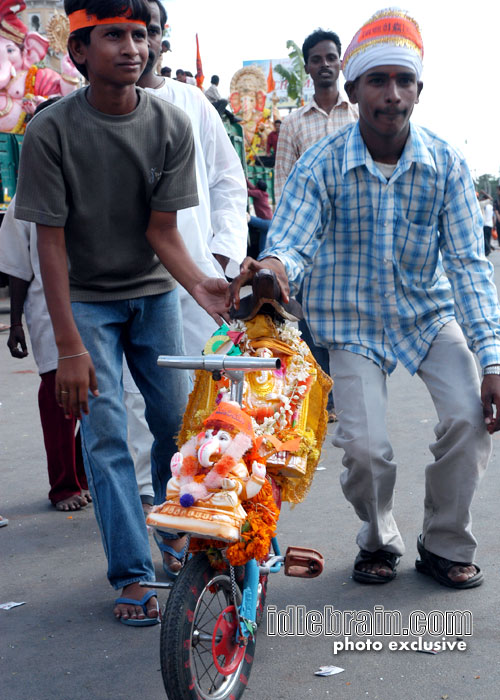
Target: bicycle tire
column 187, row 664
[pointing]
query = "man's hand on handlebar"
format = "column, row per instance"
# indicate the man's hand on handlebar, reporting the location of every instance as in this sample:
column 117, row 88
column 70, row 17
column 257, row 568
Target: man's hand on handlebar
column 248, row 268
column 211, row 294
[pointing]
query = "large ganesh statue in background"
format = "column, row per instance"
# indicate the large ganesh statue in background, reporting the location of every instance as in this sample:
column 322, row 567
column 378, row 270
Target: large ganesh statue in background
column 23, row 85
column 248, row 102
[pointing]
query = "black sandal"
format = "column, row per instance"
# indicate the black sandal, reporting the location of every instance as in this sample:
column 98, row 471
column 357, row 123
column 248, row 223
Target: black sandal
column 438, row 567
column 365, row 557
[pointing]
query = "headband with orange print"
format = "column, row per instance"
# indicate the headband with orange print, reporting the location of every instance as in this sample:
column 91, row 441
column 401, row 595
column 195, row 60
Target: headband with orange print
column 390, row 37
column 80, row 20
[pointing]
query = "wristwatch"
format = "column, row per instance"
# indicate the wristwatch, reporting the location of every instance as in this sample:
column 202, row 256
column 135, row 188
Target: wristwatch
column 491, row 369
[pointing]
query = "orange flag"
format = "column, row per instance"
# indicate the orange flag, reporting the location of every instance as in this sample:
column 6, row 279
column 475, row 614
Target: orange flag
column 271, row 85
column 199, row 70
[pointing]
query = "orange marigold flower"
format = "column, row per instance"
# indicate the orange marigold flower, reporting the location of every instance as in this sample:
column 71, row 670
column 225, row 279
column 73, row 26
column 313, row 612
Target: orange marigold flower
column 262, row 516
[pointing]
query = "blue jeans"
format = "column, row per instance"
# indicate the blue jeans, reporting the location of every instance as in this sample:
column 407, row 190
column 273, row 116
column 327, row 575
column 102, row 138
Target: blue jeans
column 142, row 329
column 261, row 226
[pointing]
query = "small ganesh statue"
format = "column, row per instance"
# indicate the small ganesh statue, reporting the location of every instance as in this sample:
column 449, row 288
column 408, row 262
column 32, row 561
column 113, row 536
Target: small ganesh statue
column 212, row 474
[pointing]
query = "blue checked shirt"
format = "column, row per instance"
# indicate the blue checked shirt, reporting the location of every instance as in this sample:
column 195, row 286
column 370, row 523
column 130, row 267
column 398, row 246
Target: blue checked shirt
column 387, row 262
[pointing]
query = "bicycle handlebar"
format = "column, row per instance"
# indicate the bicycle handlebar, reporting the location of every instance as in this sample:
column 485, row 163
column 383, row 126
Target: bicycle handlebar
column 214, row 363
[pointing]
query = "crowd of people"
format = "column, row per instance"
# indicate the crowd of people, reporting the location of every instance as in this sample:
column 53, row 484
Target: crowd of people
column 377, row 227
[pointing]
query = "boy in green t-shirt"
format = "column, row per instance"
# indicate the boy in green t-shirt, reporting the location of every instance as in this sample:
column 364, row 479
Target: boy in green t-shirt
column 113, row 166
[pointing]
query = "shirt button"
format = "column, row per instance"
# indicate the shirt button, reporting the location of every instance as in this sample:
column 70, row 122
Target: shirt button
column 387, row 260
column 387, row 295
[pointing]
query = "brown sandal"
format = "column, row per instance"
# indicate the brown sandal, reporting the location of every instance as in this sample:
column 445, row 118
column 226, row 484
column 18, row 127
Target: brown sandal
column 366, row 557
column 438, row 567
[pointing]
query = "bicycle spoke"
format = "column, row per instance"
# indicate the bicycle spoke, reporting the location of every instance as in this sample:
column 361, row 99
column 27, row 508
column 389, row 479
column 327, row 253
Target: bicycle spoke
column 201, row 623
column 206, row 673
column 207, row 607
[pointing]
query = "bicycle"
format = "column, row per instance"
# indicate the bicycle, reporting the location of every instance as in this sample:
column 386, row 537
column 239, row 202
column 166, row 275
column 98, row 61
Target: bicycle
column 210, row 620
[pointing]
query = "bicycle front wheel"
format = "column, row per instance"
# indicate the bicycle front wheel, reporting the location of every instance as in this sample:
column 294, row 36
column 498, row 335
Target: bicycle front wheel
column 198, row 637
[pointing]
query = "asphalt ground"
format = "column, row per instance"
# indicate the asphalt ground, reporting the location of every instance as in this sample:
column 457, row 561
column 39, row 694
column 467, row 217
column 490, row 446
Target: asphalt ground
column 64, row 643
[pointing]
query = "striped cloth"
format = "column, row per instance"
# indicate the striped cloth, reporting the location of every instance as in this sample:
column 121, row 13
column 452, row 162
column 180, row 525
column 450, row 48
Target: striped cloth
column 302, row 129
column 390, row 261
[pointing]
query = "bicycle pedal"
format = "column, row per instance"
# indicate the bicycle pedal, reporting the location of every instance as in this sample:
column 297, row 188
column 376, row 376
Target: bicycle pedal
column 303, row 562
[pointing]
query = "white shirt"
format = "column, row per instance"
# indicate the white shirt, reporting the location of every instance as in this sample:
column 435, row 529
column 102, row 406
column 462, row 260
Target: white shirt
column 304, row 127
column 212, row 93
column 218, row 224
column 19, row 258
column 487, row 210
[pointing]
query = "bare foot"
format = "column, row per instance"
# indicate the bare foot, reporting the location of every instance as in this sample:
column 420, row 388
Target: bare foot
column 74, row 502
column 85, row 494
column 460, row 573
column 135, row 612
column 168, row 559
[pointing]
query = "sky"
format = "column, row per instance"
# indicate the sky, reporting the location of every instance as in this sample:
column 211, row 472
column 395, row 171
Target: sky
column 461, row 96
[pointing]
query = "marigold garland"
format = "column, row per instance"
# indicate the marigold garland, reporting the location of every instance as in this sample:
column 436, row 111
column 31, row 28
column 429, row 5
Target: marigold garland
column 29, row 90
column 257, row 530
column 29, row 83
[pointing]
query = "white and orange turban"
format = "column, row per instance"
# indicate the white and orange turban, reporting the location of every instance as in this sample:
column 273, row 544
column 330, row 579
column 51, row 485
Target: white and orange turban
column 390, row 37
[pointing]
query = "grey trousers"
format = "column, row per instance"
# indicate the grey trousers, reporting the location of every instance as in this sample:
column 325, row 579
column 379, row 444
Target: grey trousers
column 461, row 450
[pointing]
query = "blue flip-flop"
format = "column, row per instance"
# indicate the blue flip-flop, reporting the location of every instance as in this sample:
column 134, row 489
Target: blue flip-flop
column 135, row 622
column 169, row 550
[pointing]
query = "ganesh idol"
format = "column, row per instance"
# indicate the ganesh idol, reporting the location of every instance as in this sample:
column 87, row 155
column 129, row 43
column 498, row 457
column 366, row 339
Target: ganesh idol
column 23, row 85
column 211, row 475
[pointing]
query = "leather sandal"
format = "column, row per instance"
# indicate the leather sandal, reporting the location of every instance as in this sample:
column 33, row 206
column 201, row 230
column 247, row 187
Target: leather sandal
column 438, row 567
column 366, row 557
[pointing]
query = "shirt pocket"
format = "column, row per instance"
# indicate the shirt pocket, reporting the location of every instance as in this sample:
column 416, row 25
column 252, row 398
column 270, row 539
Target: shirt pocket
column 416, row 253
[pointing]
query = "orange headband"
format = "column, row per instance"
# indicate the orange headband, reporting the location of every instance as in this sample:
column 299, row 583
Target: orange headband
column 391, row 27
column 80, row 19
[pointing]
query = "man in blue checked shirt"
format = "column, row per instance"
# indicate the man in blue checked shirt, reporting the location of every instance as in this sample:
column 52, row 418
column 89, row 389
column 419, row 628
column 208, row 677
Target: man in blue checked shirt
column 384, row 216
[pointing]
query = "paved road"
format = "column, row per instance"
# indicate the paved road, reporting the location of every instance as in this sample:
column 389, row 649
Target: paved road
column 64, row 643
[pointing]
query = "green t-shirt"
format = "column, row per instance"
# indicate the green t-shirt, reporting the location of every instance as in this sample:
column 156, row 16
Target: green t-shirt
column 99, row 176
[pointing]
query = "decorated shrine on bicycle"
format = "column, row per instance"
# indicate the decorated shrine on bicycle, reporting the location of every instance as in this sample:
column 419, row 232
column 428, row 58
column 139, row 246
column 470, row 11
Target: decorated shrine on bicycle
column 273, row 441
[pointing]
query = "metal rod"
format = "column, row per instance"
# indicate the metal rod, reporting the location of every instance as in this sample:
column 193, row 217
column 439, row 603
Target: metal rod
column 156, row 584
column 270, row 563
column 220, row 362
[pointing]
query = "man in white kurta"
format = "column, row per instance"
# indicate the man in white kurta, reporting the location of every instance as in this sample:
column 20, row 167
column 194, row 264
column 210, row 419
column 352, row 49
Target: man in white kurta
column 215, row 232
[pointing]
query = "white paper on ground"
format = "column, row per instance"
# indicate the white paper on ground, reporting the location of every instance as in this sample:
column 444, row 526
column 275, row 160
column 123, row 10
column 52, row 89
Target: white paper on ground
column 8, row 606
column 328, row 670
